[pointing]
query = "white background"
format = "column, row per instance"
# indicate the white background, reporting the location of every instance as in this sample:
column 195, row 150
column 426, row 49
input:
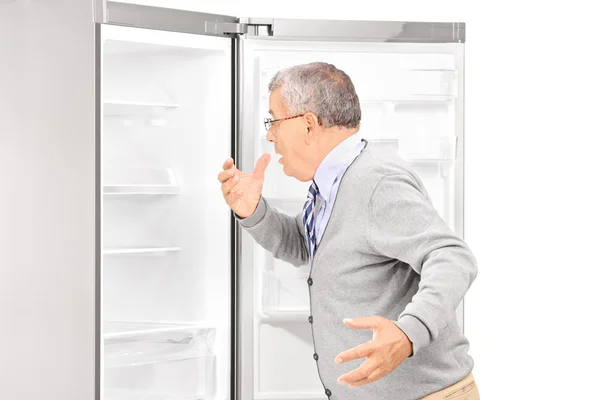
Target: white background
column 532, row 198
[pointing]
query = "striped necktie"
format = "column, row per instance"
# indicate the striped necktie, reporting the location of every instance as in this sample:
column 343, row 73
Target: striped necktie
column 309, row 219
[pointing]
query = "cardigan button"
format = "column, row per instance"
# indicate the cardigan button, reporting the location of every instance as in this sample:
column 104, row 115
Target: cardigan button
column 316, row 356
column 328, row 392
column 310, row 319
column 310, row 281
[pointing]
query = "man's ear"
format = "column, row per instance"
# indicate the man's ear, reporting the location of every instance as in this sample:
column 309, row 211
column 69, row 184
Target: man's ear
column 311, row 122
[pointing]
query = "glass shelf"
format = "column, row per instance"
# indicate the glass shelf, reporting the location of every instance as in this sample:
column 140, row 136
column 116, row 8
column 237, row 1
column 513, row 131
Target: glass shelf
column 290, row 396
column 411, row 98
column 140, row 190
column 118, row 329
column 118, row 108
column 284, row 316
column 150, row 251
column 139, row 181
column 125, row 394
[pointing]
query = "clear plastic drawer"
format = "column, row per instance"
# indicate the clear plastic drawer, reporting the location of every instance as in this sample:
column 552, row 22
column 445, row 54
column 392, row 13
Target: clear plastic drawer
column 158, row 361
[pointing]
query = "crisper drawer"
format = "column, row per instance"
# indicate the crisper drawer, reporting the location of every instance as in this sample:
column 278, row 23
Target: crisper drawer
column 158, row 361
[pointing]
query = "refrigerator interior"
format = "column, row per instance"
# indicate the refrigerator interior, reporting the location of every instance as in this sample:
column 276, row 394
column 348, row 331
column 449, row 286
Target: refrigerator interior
column 166, row 263
column 411, row 100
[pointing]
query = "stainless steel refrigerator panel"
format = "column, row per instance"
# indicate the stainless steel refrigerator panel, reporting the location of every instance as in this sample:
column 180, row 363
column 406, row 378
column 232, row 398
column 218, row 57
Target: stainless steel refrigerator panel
column 379, row 31
column 164, row 19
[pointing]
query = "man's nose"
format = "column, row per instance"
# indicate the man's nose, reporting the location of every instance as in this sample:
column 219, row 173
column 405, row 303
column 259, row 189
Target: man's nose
column 270, row 136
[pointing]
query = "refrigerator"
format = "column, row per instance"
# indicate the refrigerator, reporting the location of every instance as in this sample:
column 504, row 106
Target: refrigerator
column 188, row 306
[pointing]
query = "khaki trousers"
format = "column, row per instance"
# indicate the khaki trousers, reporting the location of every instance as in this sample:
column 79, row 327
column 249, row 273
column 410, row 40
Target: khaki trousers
column 465, row 389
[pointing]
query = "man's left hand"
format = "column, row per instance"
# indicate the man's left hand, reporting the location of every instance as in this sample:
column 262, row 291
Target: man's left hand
column 389, row 347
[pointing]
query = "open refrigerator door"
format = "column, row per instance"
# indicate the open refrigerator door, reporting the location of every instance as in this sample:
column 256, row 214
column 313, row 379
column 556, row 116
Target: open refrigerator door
column 165, row 129
column 412, row 102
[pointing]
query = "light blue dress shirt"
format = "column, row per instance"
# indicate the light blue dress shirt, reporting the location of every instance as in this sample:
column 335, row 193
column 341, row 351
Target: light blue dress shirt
column 328, row 176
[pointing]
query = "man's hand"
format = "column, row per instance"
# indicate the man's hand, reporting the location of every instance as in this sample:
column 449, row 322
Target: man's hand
column 241, row 190
column 389, row 347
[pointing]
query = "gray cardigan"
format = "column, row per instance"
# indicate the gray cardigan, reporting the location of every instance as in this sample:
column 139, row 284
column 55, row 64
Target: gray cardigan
column 385, row 251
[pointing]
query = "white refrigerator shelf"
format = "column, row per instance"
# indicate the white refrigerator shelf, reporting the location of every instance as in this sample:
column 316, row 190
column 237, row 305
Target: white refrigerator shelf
column 282, row 296
column 120, row 329
column 114, row 108
column 145, row 251
column 141, row 189
column 139, row 181
column 412, row 98
column 125, row 394
column 283, row 315
column 289, row 396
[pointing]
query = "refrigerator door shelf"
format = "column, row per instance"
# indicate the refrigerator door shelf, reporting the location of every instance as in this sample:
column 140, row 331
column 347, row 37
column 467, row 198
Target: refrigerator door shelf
column 133, row 108
column 284, row 297
column 139, row 181
column 142, row 251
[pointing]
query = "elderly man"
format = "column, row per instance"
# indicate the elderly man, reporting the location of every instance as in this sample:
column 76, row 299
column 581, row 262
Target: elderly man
column 387, row 274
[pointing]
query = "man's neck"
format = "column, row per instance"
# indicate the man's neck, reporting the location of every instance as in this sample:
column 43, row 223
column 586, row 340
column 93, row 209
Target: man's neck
column 331, row 137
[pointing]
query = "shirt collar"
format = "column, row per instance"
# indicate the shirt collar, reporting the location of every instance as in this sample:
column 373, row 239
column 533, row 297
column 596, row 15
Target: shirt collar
column 333, row 163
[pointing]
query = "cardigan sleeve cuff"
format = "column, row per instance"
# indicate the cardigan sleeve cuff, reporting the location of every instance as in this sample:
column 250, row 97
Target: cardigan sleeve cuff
column 416, row 331
column 256, row 217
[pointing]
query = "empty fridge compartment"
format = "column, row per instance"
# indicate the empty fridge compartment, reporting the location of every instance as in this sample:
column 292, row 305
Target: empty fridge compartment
column 420, row 147
column 155, row 361
column 139, row 180
column 406, row 84
column 284, row 293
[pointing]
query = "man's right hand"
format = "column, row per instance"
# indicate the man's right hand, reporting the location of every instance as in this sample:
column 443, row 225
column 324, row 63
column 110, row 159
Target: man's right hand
column 241, row 190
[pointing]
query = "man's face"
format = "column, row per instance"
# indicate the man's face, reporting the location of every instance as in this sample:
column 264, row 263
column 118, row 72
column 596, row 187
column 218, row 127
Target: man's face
column 290, row 140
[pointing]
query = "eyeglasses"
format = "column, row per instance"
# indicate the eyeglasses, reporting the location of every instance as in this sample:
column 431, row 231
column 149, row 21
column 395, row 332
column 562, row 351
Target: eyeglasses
column 269, row 121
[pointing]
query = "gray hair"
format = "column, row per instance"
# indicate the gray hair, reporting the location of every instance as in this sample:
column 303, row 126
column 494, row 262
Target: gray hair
column 320, row 88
